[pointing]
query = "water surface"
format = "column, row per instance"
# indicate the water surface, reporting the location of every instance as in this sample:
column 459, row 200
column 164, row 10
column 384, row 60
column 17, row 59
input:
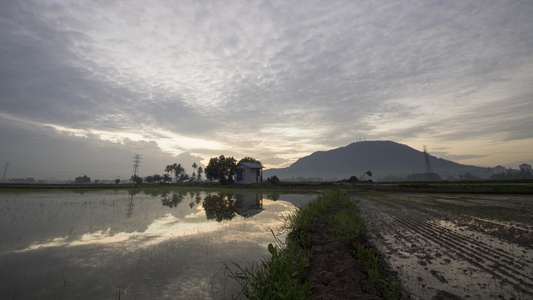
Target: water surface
column 139, row 244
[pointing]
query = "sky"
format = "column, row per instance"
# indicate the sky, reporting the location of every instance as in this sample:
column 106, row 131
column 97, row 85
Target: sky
column 86, row 85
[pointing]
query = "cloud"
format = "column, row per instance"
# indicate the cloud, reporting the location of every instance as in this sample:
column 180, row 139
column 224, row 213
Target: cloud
column 270, row 78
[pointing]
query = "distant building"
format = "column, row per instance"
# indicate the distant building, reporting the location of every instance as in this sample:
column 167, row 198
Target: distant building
column 498, row 170
column 525, row 168
column 247, row 173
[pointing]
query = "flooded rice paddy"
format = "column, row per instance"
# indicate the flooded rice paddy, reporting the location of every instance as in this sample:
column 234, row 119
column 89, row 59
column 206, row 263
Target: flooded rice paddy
column 133, row 244
column 449, row 246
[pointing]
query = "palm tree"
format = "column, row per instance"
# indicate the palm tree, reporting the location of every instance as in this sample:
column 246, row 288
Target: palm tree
column 200, row 171
column 194, row 167
column 168, row 170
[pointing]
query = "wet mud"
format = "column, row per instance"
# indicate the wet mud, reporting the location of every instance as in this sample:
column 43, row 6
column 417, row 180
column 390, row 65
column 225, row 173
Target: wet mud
column 334, row 271
column 454, row 247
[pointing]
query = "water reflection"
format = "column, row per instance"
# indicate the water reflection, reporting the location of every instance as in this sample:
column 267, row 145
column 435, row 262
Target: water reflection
column 219, row 207
column 129, row 206
column 86, row 245
column 172, row 199
column 248, row 205
column 272, row 196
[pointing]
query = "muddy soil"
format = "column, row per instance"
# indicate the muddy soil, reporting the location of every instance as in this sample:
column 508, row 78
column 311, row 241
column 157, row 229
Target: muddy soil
column 334, row 272
column 454, row 246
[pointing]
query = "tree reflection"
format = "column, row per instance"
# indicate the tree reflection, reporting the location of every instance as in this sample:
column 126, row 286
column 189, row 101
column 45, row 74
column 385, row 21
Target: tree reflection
column 219, row 207
column 273, row 197
column 172, row 200
column 197, row 198
column 154, row 192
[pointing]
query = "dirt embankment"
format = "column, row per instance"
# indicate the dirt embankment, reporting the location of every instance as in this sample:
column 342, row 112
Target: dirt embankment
column 334, row 271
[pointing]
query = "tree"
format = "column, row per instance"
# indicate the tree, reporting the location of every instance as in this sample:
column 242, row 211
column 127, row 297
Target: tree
column 200, row 172
column 136, row 179
column 183, row 177
column 149, row 179
column 169, row 169
column 221, row 168
column 178, row 170
column 82, row 179
column 251, row 160
column 194, row 167
column 153, row 178
column 166, row 178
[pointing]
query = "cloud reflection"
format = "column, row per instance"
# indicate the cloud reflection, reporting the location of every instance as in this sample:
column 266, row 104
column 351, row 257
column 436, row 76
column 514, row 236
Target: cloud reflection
column 170, row 227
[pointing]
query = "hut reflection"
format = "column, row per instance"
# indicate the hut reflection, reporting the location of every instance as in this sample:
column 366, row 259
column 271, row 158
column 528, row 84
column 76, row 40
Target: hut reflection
column 248, row 204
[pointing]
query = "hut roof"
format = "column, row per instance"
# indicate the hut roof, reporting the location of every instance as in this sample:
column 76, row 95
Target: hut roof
column 251, row 165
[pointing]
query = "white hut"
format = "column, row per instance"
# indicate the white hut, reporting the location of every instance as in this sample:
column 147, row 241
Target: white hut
column 247, row 172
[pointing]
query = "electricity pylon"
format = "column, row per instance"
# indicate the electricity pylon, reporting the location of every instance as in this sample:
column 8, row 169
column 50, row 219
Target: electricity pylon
column 136, row 163
column 5, row 172
column 429, row 169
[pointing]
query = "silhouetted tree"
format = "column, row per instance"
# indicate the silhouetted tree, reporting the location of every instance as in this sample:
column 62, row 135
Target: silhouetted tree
column 251, row 160
column 200, row 172
column 154, row 178
column 167, row 178
column 183, row 177
column 274, row 179
column 178, row 170
column 149, row 179
column 221, row 168
column 169, row 169
column 82, row 179
column 136, row 179
column 194, row 167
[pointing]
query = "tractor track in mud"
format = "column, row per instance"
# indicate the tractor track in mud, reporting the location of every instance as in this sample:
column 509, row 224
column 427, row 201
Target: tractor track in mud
column 418, row 243
column 489, row 259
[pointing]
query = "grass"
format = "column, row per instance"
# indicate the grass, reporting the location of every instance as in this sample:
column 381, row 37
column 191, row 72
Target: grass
column 283, row 275
column 375, row 276
column 347, row 224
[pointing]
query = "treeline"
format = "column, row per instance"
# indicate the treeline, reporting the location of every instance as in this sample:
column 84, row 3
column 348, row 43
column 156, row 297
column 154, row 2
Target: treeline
column 221, row 169
column 173, row 173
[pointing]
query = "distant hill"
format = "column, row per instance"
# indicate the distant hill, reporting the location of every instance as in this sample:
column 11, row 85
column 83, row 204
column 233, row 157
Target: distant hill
column 383, row 158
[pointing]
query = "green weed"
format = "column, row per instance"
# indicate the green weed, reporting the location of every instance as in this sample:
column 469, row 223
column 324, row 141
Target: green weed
column 282, row 276
column 384, row 283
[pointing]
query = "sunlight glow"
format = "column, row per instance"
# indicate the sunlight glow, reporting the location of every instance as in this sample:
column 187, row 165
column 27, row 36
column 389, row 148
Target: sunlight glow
column 168, row 141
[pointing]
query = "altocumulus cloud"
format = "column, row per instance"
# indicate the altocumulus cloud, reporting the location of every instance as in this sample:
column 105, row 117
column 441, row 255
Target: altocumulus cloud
column 271, row 79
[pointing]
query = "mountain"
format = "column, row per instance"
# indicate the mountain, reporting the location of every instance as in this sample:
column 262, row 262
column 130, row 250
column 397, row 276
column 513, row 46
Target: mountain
column 383, row 158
